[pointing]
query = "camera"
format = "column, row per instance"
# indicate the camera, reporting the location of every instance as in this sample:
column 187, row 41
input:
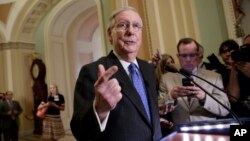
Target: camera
column 243, row 54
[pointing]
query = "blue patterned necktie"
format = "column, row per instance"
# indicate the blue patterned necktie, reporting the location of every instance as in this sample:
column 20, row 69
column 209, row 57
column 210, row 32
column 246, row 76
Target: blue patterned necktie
column 137, row 81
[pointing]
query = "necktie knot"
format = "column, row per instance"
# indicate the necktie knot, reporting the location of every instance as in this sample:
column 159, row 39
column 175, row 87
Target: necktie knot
column 132, row 68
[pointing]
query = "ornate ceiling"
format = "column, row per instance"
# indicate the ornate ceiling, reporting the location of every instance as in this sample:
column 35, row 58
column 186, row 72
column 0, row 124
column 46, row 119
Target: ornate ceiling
column 20, row 19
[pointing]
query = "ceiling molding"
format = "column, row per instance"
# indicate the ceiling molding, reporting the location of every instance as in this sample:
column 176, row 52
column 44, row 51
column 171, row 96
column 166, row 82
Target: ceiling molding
column 16, row 45
column 34, row 17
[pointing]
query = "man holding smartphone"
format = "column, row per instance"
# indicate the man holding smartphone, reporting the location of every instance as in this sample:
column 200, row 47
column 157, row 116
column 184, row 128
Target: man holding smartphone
column 192, row 103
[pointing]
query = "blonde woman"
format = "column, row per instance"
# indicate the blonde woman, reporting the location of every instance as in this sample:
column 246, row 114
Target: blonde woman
column 52, row 123
column 166, row 59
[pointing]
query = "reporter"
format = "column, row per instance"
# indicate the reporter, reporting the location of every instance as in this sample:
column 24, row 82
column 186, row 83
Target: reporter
column 192, row 103
column 239, row 83
column 225, row 50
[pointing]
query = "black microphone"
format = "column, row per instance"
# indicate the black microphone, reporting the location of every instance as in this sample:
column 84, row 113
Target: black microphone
column 187, row 75
column 185, row 71
column 170, row 68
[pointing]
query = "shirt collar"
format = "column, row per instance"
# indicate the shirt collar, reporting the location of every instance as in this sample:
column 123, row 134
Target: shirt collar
column 195, row 70
column 125, row 64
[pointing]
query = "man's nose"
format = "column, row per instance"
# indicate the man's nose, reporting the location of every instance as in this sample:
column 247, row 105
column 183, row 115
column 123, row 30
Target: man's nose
column 130, row 28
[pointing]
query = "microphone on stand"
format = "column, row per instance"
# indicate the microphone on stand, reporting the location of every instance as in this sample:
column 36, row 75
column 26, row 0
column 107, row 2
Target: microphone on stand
column 187, row 75
column 170, row 68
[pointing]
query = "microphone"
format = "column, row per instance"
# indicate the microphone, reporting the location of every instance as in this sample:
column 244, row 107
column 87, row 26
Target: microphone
column 187, row 75
column 170, row 68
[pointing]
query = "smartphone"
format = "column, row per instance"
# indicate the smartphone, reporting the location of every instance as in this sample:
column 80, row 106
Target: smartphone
column 186, row 82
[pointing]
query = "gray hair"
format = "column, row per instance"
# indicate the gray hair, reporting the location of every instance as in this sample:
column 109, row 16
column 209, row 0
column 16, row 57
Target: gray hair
column 115, row 13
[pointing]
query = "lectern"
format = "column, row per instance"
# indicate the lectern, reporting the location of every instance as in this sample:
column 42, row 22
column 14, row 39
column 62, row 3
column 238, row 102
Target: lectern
column 218, row 130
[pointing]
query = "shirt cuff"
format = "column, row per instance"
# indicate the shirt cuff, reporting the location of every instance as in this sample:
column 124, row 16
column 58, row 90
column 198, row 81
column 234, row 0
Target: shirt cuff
column 104, row 123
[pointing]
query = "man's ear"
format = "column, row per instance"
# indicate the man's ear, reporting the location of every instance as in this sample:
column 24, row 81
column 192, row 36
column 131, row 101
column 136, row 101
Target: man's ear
column 109, row 36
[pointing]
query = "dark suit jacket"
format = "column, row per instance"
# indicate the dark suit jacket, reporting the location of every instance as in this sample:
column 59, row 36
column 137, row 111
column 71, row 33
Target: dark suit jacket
column 7, row 120
column 128, row 121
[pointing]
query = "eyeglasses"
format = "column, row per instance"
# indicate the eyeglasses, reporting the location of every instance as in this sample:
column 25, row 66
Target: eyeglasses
column 185, row 55
column 122, row 26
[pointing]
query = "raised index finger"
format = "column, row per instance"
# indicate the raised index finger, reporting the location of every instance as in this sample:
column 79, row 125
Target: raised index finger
column 110, row 71
column 105, row 75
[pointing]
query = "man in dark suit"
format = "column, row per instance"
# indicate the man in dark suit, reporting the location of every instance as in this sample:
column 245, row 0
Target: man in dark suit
column 107, row 106
column 10, row 111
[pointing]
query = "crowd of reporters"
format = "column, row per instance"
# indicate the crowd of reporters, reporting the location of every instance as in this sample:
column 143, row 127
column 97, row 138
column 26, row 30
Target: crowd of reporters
column 234, row 72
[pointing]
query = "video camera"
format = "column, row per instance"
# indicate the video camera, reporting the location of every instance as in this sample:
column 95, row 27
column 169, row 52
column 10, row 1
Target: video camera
column 243, row 54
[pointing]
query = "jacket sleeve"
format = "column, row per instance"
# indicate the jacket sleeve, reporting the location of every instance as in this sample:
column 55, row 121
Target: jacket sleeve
column 84, row 124
column 213, row 106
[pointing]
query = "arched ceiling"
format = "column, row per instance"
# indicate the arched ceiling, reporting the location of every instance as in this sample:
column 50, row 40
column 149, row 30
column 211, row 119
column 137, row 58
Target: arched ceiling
column 5, row 7
column 89, row 26
column 31, row 19
column 19, row 19
column 74, row 11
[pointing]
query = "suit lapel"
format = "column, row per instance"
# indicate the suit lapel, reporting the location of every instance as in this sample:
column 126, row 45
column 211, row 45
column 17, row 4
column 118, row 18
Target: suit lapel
column 147, row 77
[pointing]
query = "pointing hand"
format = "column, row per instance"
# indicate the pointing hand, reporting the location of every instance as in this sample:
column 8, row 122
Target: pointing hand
column 107, row 91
